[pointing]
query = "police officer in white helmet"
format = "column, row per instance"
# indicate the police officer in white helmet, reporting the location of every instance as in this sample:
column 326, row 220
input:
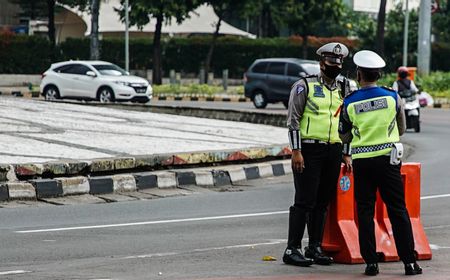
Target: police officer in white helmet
column 372, row 120
column 316, row 153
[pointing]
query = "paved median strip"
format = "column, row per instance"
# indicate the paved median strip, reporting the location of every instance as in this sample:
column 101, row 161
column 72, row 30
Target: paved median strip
column 206, row 177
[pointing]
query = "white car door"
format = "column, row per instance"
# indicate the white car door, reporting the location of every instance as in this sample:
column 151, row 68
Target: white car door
column 64, row 80
column 83, row 85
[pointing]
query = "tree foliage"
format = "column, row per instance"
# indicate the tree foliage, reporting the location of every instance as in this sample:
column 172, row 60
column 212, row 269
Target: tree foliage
column 142, row 11
column 307, row 17
column 441, row 22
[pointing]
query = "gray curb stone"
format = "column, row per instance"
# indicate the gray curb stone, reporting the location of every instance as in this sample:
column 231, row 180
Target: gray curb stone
column 265, row 170
column 252, row 172
column 101, row 185
column 186, row 178
column 74, row 185
column 47, row 188
column 21, row 190
column 203, row 178
column 166, row 179
column 146, row 180
column 236, row 173
column 278, row 169
column 4, row 193
column 124, row 183
column 221, row 178
column 170, row 179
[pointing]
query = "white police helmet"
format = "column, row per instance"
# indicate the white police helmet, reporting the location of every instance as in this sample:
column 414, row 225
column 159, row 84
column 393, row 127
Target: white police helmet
column 368, row 60
column 333, row 52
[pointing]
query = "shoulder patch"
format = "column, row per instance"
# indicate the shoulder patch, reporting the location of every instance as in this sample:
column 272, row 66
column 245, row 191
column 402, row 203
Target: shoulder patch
column 299, row 89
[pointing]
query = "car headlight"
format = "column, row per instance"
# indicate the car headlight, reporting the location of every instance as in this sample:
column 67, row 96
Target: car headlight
column 123, row 83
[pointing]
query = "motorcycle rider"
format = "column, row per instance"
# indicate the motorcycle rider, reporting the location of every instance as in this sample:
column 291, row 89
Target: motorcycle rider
column 404, row 86
column 409, row 94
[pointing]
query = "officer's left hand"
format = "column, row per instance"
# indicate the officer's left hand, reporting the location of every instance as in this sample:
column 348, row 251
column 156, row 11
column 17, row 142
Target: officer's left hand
column 348, row 164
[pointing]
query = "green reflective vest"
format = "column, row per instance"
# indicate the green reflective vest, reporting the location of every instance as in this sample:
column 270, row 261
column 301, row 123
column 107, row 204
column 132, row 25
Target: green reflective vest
column 374, row 122
column 321, row 117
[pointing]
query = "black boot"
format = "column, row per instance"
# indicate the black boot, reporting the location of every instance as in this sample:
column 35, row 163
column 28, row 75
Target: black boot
column 316, row 224
column 371, row 269
column 294, row 257
column 412, row 269
column 315, row 253
column 297, row 223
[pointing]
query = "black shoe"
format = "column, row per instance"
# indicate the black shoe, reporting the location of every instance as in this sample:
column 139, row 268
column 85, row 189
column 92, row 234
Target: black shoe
column 412, row 269
column 294, row 257
column 316, row 254
column 371, row 269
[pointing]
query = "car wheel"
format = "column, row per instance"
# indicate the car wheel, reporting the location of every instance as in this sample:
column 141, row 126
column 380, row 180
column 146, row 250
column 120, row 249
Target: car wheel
column 259, row 99
column 51, row 93
column 106, row 95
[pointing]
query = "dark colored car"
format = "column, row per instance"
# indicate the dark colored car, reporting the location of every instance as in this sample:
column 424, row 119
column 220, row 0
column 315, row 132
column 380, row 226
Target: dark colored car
column 270, row 80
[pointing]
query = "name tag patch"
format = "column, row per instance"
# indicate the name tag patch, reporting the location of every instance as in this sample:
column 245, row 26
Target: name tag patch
column 371, row 106
column 318, row 91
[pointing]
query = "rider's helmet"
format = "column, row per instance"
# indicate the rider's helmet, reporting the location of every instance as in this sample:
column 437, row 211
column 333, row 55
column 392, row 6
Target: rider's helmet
column 402, row 72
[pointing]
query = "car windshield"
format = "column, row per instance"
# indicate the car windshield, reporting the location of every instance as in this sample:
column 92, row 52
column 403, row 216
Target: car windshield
column 110, row 70
column 311, row 68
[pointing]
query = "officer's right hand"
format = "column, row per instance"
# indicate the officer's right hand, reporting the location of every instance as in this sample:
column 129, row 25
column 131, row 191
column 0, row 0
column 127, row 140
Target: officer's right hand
column 348, row 168
column 298, row 164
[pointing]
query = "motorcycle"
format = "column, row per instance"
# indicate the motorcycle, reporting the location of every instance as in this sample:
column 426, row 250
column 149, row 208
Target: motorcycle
column 412, row 111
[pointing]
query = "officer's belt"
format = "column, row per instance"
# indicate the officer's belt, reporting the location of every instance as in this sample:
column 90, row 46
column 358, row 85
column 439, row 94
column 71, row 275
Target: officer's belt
column 315, row 141
column 373, row 148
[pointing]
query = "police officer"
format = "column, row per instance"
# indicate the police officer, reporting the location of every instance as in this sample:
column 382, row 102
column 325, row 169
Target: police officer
column 372, row 119
column 316, row 153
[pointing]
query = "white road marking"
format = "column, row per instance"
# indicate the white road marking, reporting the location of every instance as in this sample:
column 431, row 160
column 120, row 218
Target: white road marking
column 437, row 247
column 437, row 227
column 278, row 241
column 183, row 220
column 158, row 222
column 434, row 196
column 11, row 272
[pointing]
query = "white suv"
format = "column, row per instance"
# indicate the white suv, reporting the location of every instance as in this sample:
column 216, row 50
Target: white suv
column 93, row 80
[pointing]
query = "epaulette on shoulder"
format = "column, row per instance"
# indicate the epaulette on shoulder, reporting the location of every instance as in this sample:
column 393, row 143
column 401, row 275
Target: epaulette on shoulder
column 310, row 77
column 350, row 93
column 388, row 88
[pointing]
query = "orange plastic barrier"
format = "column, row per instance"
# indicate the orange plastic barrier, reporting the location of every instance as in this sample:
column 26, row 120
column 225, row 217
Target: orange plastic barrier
column 341, row 230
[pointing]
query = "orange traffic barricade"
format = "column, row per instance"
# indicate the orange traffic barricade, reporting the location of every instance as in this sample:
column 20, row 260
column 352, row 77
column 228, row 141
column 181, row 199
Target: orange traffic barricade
column 341, row 230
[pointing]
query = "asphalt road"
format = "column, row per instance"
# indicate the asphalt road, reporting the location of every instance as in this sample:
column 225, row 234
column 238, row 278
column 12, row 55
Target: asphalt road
column 207, row 235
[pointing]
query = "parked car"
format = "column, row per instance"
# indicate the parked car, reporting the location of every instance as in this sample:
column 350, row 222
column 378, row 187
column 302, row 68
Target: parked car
column 93, row 80
column 270, row 80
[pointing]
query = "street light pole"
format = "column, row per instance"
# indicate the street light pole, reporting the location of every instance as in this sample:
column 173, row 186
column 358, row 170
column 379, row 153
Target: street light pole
column 424, row 41
column 405, row 35
column 127, row 39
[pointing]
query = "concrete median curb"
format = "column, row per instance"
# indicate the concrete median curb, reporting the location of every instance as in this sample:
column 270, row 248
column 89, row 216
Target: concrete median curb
column 107, row 166
column 140, row 181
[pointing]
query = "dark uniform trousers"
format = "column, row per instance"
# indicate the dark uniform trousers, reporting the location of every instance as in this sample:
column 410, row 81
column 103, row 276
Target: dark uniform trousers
column 370, row 174
column 314, row 189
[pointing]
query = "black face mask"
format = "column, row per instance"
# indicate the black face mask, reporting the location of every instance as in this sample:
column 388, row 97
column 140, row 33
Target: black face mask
column 332, row 71
column 403, row 75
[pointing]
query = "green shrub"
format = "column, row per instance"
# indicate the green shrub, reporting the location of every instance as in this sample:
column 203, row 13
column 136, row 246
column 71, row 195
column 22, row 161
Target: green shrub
column 436, row 84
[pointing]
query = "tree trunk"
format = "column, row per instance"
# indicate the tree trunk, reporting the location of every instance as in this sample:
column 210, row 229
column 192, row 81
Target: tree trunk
column 305, row 46
column 380, row 28
column 94, row 44
column 157, row 79
column 51, row 22
column 212, row 46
